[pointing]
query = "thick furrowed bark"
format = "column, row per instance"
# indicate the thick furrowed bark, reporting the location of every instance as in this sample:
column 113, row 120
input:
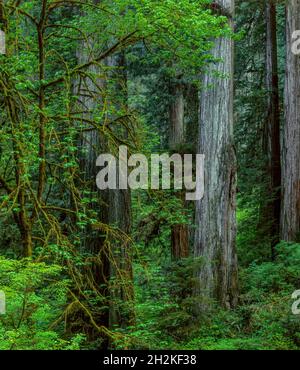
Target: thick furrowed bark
column 290, row 213
column 215, row 236
column 179, row 232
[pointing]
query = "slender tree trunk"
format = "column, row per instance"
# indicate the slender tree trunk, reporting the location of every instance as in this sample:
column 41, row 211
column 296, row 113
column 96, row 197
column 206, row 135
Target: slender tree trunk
column 176, row 114
column 179, row 232
column 290, row 213
column 272, row 125
column 180, row 241
column 215, row 237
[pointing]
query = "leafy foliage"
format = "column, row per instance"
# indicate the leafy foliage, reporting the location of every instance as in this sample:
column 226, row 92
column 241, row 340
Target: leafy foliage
column 58, row 84
column 36, row 296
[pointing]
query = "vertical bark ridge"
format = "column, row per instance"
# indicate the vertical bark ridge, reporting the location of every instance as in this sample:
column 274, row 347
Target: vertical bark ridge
column 215, row 236
column 290, row 215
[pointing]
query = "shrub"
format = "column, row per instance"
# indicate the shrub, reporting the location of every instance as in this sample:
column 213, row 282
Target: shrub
column 36, row 294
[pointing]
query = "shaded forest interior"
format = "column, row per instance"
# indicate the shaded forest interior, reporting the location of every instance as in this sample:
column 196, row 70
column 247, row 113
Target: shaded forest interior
column 84, row 268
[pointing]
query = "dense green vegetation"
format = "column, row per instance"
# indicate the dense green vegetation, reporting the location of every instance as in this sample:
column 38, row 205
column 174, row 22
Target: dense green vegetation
column 85, row 269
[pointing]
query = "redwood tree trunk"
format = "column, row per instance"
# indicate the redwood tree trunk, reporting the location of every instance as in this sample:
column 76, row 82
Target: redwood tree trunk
column 93, row 240
column 272, row 125
column 290, row 214
column 179, row 232
column 176, row 115
column 122, row 311
column 215, row 237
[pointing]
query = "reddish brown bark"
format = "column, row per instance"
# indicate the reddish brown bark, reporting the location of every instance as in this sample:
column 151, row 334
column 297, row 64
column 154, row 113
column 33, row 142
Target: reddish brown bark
column 290, row 213
column 179, row 232
column 272, row 126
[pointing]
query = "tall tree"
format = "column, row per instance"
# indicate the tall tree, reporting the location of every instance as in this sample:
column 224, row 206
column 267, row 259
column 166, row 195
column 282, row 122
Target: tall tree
column 179, row 232
column 215, row 236
column 176, row 114
column 119, row 212
column 272, row 140
column 91, row 145
column 112, row 267
column 290, row 214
